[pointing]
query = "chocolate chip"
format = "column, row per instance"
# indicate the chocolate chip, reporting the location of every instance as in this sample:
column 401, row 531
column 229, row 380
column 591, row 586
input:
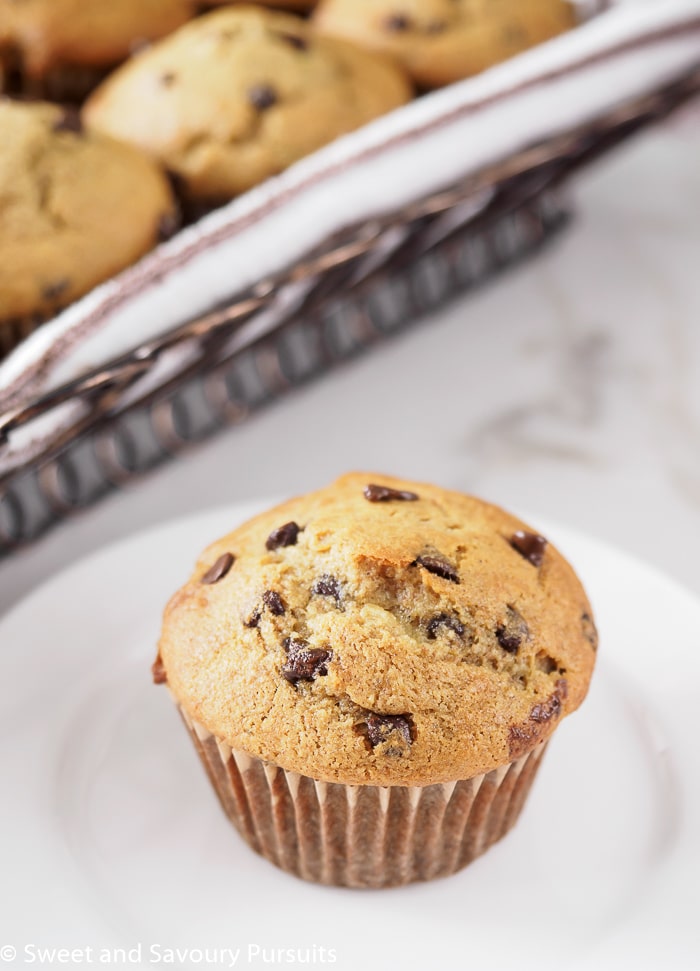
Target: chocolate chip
column 551, row 708
column 283, row 536
column 292, row 644
column 295, row 41
column 379, row 493
column 398, row 23
column 253, row 620
column 436, row 27
column 326, row 586
column 262, row 96
column 69, row 120
column 168, row 79
column 439, row 566
column 52, row 291
column 381, row 727
column 548, row 709
column 219, row 570
column 513, row 631
column 590, row 631
column 303, row 662
column 508, row 642
column 522, row 738
column 158, row 671
column 530, row 545
column 168, row 225
column 444, row 620
column 273, row 602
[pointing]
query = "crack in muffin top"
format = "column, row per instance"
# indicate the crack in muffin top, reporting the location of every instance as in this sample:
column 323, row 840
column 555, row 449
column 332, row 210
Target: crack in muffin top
column 392, row 643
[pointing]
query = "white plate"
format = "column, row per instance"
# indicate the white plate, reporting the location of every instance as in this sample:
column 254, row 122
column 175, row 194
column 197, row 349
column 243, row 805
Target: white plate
column 112, row 838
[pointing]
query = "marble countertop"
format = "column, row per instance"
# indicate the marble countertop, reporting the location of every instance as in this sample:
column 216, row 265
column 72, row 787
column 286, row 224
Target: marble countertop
column 568, row 389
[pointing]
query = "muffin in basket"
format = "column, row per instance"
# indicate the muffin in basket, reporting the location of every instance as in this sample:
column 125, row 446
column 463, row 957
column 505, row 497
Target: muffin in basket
column 75, row 209
column 61, row 48
column 239, row 94
column 371, row 673
column 440, row 41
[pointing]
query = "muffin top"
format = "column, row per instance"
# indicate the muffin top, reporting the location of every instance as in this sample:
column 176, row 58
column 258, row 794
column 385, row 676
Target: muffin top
column 75, row 208
column 440, row 41
column 380, row 632
column 241, row 93
column 51, row 33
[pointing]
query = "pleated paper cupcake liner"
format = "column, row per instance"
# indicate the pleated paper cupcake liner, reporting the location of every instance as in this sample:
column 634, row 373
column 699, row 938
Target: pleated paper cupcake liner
column 363, row 836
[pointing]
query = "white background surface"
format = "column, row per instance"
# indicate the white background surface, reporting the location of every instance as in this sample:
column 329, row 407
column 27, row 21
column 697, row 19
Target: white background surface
column 569, row 388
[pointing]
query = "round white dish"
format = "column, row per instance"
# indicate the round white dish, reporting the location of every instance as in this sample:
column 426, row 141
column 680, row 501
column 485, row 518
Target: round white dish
column 113, row 840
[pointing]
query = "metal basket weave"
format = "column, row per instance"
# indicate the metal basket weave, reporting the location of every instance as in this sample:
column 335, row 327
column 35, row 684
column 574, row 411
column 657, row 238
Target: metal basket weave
column 364, row 285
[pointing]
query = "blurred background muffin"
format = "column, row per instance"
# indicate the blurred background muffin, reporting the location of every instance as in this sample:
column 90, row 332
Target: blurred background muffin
column 59, row 48
column 441, row 41
column 75, row 209
column 239, row 94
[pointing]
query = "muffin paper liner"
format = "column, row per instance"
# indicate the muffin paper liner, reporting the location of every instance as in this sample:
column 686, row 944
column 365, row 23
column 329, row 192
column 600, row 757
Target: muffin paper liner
column 363, row 836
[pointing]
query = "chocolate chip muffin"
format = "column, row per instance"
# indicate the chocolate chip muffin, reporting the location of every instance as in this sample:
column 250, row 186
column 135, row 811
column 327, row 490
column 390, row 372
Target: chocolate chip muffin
column 376, row 657
column 239, row 94
column 54, row 45
column 440, row 41
column 75, row 208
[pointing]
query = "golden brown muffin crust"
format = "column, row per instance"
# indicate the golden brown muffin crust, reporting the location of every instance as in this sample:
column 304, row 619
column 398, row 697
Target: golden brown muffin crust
column 386, row 641
column 49, row 33
column 241, row 93
column 75, row 208
column 440, row 41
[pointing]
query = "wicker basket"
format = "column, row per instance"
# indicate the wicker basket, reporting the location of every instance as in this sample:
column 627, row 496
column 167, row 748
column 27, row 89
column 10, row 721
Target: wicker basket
column 366, row 284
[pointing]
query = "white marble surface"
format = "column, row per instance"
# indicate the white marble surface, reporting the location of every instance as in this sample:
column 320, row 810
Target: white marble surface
column 569, row 388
